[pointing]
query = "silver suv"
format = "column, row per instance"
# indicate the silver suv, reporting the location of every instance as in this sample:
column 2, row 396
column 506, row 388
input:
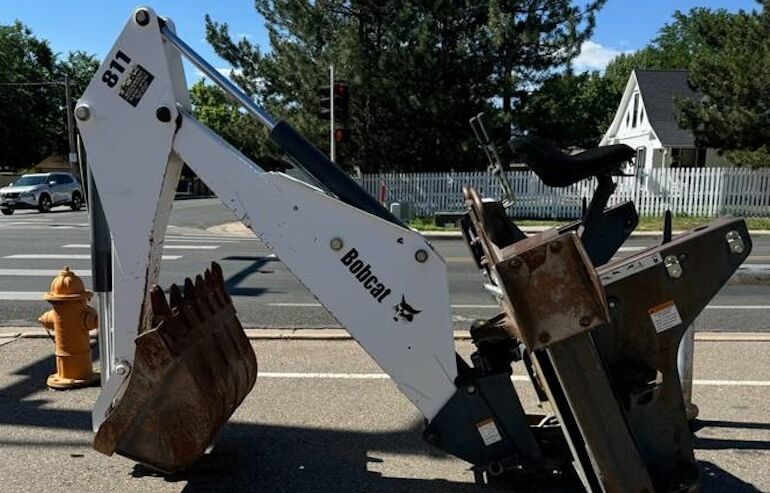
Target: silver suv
column 41, row 191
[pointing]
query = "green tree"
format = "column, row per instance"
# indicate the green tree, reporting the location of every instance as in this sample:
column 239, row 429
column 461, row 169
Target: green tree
column 417, row 70
column 568, row 109
column 213, row 108
column 575, row 110
column 734, row 78
column 32, row 116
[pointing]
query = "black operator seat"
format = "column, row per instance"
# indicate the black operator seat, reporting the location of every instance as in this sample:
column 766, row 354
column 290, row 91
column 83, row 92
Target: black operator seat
column 557, row 169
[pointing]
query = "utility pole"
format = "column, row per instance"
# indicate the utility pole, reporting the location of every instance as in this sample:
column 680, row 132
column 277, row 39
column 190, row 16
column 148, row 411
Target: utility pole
column 73, row 155
column 332, row 148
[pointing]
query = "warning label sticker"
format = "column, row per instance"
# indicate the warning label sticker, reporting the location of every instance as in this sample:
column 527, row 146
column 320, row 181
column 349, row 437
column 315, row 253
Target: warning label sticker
column 665, row 316
column 488, row 431
column 135, row 85
column 624, row 270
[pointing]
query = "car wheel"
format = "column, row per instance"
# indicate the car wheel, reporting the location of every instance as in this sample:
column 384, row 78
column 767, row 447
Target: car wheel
column 44, row 204
column 77, row 202
column 6, row 212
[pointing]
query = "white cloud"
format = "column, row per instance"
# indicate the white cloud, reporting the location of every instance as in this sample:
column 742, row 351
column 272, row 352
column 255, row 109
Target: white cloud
column 594, row 56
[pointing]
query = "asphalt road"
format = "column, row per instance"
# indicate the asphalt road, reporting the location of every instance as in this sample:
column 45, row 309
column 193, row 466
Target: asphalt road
column 33, row 247
column 322, row 419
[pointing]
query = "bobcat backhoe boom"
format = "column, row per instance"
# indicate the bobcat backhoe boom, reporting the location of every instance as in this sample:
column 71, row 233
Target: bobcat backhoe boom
column 137, row 129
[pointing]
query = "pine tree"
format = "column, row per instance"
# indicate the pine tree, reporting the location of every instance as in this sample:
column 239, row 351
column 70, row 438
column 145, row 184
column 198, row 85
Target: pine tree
column 417, row 70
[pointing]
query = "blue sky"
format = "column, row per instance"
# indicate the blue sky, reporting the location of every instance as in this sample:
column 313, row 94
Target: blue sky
column 93, row 25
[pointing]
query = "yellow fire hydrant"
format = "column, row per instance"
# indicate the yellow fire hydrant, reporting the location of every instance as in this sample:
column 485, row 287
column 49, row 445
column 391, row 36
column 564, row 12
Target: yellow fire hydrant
column 70, row 319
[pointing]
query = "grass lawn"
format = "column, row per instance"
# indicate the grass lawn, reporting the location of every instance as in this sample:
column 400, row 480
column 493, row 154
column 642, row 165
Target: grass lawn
column 645, row 223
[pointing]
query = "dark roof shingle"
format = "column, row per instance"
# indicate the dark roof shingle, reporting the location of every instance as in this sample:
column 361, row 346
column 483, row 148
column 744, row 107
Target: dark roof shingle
column 659, row 88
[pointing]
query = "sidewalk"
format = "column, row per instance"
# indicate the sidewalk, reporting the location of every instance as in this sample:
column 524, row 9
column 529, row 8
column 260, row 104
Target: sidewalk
column 322, row 417
column 237, row 228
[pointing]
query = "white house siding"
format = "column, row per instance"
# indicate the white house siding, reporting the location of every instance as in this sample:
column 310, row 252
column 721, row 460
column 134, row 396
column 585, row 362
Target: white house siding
column 640, row 136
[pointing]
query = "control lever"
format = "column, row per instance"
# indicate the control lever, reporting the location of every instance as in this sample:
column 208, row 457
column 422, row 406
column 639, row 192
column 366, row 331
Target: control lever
column 496, row 166
column 666, row 227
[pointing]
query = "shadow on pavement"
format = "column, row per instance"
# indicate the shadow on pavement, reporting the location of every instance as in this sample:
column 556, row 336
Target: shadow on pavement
column 271, row 458
column 711, row 443
column 716, row 480
column 234, row 281
column 262, row 458
column 17, row 409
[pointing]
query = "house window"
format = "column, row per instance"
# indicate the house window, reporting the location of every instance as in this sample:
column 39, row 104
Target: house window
column 684, row 157
column 701, row 157
column 641, row 157
column 636, row 110
column 628, row 118
column 641, row 115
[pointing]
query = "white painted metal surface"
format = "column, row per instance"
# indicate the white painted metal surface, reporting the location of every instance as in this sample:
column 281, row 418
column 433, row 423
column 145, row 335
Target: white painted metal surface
column 298, row 223
column 136, row 159
column 129, row 153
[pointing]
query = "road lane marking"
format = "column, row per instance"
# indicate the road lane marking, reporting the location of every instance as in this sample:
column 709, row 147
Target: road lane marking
column 491, row 307
column 68, row 256
column 199, row 240
column 41, row 272
column 515, row 378
column 733, row 383
column 36, row 228
column 21, row 296
column 167, row 247
column 738, row 307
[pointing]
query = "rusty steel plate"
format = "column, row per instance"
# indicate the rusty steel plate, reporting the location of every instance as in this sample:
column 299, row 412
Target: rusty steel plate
column 191, row 371
column 550, row 290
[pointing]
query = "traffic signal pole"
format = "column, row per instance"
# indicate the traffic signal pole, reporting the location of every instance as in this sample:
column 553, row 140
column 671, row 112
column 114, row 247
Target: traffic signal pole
column 332, row 147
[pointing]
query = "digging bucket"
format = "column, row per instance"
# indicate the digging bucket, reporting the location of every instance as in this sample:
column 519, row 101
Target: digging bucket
column 191, row 371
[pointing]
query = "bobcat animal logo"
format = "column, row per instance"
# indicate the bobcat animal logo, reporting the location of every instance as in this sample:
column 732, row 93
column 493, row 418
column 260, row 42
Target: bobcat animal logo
column 404, row 311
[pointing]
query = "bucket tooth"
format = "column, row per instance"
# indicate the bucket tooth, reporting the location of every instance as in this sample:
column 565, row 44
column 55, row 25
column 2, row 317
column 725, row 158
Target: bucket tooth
column 192, row 369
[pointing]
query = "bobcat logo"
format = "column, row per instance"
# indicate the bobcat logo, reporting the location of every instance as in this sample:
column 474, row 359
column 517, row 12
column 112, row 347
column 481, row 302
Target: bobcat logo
column 404, row 311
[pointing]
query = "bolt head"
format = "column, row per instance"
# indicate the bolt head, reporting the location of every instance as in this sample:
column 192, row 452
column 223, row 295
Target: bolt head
column 470, row 389
column 555, row 246
column 163, row 113
column 421, row 256
column 336, row 244
column 585, row 321
column 514, row 263
column 544, row 338
column 83, row 112
column 142, row 17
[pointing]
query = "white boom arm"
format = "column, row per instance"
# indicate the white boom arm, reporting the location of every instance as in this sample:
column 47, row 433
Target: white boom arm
column 383, row 282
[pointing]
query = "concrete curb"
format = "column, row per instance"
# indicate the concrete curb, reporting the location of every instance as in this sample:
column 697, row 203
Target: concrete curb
column 237, row 228
column 8, row 334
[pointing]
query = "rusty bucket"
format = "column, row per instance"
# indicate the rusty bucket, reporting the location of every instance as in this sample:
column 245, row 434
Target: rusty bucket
column 191, row 371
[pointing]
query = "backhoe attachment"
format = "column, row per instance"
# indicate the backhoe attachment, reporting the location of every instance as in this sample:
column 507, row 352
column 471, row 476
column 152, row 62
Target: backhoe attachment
column 191, row 371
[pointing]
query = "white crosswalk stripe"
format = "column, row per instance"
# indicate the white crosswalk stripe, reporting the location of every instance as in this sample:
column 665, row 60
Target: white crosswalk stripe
column 167, row 247
column 40, row 272
column 67, row 256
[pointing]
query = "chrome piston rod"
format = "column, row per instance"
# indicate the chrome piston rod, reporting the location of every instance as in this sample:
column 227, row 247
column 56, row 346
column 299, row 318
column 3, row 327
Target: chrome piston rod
column 223, row 82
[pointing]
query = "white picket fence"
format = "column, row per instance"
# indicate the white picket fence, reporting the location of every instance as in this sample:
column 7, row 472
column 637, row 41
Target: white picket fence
column 685, row 191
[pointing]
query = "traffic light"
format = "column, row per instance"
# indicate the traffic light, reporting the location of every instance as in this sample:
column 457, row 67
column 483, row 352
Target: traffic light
column 341, row 96
column 324, row 98
column 340, row 135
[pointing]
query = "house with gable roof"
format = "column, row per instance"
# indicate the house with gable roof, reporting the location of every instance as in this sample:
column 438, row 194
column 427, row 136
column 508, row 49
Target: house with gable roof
column 646, row 121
